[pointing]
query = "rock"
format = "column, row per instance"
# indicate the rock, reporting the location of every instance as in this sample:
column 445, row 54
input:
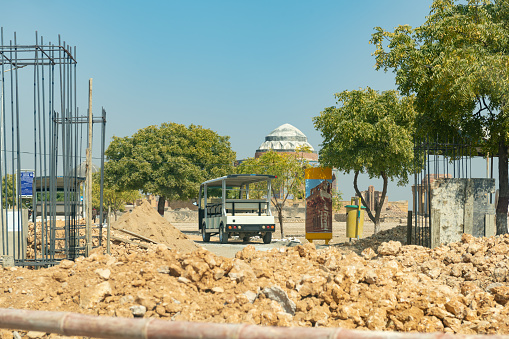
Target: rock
column 467, row 238
column 127, row 299
column 368, row 253
column 66, row 264
column 438, row 312
column 164, row 269
column 430, row 325
column 389, row 248
column 452, row 323
column 60, row 276
column 92, row 295
column 457, row 308
column 218, row 273
column 217, row 289
column 138, row 311
column 251, row 296
column 103, row 273
column 376, row 319
column 247, row 253
column 501, row 294
column 279, row 295
column 35, row 334
column 175, row 270
column 492, row 286
column 371, row 277
column 183, row 280
column 241, row 271
column 146, row 301
column 6, row 334
column 469, row 287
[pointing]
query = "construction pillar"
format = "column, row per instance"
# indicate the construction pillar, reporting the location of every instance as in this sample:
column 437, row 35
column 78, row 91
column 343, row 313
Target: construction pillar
column 88, row 231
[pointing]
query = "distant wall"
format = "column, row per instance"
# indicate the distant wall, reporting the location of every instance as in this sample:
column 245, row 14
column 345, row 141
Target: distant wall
column 392, row 211
column 294, row 211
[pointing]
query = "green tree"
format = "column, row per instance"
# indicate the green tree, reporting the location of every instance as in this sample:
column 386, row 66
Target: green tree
column 457, row 65
column 113, row 197
column 170, row 161
column 288, row 168
column 9, row 188
column 369, row 133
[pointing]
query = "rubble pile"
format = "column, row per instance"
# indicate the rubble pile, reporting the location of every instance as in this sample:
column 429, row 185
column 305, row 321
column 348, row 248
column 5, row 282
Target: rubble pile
column 459, row 288
column 145, row 221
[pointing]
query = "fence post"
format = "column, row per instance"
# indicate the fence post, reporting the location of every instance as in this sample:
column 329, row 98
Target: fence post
column 409, row 228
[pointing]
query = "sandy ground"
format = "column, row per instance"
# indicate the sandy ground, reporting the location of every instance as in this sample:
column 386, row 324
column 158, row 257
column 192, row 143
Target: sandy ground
column 293, row 231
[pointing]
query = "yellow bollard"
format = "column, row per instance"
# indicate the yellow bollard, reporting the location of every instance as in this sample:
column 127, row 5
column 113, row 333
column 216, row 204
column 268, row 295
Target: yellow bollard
column 354, row 220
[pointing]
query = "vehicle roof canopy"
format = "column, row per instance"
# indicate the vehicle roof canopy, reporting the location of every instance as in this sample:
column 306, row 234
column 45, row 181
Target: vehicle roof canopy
column 238, row 180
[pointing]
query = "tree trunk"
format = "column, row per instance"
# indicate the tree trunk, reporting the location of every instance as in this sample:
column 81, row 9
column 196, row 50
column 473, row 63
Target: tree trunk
column 503, row 193
column 381, row 203
column 280, row 216
column 160, row 205
column 378, row 208
column 368, row 210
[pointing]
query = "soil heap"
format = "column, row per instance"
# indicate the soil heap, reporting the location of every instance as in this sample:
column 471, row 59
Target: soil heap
column 459, row 288
column 144, row 220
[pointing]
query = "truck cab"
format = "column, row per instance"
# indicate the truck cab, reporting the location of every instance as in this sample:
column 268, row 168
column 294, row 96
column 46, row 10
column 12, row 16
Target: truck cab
column 236, row 205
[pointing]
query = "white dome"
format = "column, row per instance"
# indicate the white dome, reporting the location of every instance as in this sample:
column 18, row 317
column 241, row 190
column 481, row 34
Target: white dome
column 285, row 138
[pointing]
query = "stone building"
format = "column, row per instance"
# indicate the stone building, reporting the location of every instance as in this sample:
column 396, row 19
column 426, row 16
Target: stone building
column 373, row 197
column 287, row 138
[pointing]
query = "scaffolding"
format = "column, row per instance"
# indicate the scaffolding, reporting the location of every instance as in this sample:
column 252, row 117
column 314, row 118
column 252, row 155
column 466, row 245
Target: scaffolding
column 42, row 131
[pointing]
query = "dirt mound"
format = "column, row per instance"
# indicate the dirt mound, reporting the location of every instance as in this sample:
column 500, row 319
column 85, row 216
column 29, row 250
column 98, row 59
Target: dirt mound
column 145, row 221
column 397, row 233
column 459, row 288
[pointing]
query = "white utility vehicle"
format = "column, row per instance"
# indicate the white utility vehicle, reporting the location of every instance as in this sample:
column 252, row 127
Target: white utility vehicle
column 236, row 204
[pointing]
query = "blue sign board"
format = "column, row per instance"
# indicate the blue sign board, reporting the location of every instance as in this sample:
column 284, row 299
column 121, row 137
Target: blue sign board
column 26, row 181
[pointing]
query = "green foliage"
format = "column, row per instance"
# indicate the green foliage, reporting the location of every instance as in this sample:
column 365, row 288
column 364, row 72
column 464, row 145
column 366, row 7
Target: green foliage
column 113, row 197
column 288, row 168
column 7, row 196
column 170, row 160
column 457, row 64
column 337, row 200
column 368, row 133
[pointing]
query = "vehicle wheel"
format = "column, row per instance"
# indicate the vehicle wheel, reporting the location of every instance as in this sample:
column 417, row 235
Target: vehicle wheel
column 223, row 236
column 205, row 236
column 267, row 238
column 246, row 239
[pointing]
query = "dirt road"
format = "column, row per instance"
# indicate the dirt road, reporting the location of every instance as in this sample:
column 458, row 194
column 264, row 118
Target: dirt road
column 294, row 233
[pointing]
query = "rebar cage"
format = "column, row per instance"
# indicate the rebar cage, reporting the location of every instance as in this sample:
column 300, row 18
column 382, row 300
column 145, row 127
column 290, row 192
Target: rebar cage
column 434, row 159
column 42, row 132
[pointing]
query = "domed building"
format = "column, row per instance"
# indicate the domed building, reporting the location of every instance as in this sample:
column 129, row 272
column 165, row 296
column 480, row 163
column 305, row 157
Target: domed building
column 287, row 138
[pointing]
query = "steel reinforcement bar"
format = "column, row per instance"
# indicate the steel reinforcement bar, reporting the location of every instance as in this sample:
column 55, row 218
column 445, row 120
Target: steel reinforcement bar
column 74, row 324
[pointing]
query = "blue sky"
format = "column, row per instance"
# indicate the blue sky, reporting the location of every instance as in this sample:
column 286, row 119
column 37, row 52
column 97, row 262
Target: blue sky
column 241, row 68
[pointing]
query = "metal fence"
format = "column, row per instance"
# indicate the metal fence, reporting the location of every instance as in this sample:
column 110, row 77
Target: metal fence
column 41, row 134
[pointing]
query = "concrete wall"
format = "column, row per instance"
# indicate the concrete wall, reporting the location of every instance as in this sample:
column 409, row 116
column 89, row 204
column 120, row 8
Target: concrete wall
column 461, row 206
column 13, row 239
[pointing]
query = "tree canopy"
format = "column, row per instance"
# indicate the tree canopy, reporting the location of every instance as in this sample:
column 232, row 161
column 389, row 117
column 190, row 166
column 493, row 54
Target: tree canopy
column 113, row 197
column 369, row 132
column 289, row 169
column 170, row 160
column 457, row 65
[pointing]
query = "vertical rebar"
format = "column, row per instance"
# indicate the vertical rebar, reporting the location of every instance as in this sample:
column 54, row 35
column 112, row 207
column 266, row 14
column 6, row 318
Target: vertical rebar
column 18, row 162
column 103, row 127
column 2, row 153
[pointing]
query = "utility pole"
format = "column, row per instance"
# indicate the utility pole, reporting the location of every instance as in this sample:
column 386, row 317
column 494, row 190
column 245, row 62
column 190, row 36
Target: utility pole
column 88, row 233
